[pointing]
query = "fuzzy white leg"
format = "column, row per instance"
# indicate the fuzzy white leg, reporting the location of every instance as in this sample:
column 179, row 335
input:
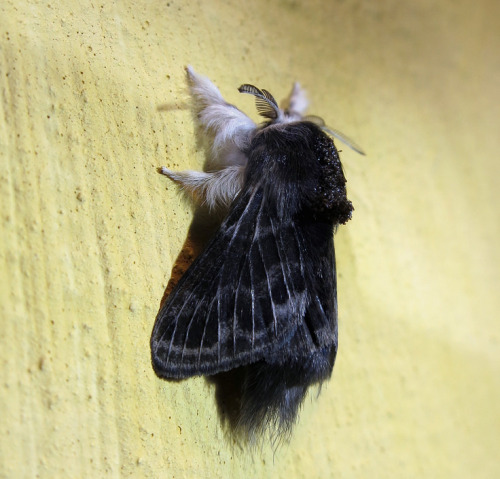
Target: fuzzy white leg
column 215, row 190
column 296, row 103
column 224, row 121
column 230, row 155
column 203, row 91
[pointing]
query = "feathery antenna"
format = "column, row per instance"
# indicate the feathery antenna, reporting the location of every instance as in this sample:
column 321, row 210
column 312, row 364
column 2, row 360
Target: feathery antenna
column 264, row 101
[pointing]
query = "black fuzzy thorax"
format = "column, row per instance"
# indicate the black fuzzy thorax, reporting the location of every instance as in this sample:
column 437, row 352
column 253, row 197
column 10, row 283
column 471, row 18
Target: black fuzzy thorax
column 300, row 170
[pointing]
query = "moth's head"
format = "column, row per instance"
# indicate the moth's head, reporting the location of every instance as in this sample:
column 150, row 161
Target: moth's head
column 293, row 110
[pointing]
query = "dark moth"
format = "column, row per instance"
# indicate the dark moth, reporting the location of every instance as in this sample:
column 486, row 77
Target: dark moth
column 262, row 296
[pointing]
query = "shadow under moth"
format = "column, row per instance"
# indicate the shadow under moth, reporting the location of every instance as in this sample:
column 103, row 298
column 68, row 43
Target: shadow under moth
column 262, row 296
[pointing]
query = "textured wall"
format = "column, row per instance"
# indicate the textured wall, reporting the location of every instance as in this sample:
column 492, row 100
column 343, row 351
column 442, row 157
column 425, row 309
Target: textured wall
column 92, row 99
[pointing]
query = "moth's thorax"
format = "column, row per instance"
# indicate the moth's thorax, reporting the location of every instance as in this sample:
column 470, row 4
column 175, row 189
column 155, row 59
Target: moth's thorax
column 300, row 170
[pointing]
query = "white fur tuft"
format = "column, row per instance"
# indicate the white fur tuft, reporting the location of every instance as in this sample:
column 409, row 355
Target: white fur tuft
column 297, row 102
column 228, row 125
column 216, row 190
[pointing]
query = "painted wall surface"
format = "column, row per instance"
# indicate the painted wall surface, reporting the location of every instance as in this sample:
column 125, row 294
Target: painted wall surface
column 93, row 99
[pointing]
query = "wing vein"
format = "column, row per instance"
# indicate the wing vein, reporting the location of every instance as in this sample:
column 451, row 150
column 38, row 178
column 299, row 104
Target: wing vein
column 176, row 318
column 259, row 248
column 278, row 248
column 207, row 318
column 237, row 227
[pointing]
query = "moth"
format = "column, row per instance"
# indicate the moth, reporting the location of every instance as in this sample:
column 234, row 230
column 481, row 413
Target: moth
column 262, row 296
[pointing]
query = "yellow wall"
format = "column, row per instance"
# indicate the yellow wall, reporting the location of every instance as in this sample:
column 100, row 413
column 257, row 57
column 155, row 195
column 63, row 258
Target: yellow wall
column 89, row 232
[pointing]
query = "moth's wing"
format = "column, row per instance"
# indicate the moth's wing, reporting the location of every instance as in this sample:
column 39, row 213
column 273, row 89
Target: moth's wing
column 317, row 330
column 240, row 300
column 322, row 311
